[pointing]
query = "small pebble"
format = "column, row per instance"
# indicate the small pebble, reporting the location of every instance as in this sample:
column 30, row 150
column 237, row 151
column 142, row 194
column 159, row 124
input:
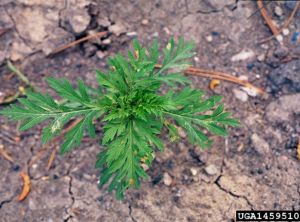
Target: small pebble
column 285, row 32
column 279, row 38
column 278, row 11
column 117, row 29
column 87, row 176
column 100, row 54
column 167, row 31
column 260, row 144
column 261, row 58
column 145, row 166
column 155, row 34
column 145, row 22
column 193, row 171
column 264, row 46
column 106, row 41
column 241, row 147
column 239, row 94
column 181, row 132
column 131, row 34
column 195, row 179
column 209, row 38
column 211, row 170
column 167, row 179
column 104, row 22
column 243, row 77
column 250, row 91
column 243, row 55
column 281, row 52
column 181, row 146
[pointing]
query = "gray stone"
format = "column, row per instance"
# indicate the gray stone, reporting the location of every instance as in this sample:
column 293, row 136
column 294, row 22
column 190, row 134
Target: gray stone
column 101, row 54
column 253, row 119
column 211, row 170
column 241, row 95
column 285, row 74
column 33, row 24
column 167, row 179
column 209, row 38
column 243, row 55
column 117, row 28
column 281, row 52
column 79, row 19
column 261, row 57
column 104, row 22
column 283, row 108
column 260, row 145
column 145, row 22
column 194, row 171
column 278, row 11
column 181, row 132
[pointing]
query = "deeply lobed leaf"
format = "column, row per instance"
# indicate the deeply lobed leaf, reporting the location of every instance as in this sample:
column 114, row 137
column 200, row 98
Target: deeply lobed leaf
column 133, row 109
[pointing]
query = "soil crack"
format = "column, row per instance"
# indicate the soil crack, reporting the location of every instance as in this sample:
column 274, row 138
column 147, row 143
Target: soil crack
column 130, row 213
column 217, row 183
column 2, row 203
column 69, row 216
column 16, row 29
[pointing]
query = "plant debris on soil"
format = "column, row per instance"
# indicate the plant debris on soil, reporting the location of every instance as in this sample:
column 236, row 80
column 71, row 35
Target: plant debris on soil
column 255, row 168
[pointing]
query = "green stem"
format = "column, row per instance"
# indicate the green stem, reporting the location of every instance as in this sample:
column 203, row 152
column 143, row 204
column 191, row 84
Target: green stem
column 21, row 76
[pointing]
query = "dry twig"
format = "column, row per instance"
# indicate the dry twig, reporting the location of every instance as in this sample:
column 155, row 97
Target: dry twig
column 41, row 152
column 6, row 155
column 290, row 18
column 286, row 23
column 211, row 74
column 62, row 48
column 51, row 159
column 266, row 17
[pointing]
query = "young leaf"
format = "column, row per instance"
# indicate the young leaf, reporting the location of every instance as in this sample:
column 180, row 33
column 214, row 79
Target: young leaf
column 134, row 107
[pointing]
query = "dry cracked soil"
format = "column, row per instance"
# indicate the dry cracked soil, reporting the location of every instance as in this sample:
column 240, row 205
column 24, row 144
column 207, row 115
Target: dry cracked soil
column 255, row 168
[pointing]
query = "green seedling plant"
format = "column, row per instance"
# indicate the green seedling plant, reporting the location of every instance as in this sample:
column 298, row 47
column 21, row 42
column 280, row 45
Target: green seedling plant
column 135, row 100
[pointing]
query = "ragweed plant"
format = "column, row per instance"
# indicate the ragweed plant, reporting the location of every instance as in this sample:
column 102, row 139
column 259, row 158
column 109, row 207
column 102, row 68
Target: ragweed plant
column 134, row 110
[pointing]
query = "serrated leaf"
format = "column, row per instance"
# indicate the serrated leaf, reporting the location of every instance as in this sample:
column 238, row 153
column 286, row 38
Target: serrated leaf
column 29, row 123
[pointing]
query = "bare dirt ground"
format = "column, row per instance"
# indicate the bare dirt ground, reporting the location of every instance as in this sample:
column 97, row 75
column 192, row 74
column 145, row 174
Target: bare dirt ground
column 256, row 167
